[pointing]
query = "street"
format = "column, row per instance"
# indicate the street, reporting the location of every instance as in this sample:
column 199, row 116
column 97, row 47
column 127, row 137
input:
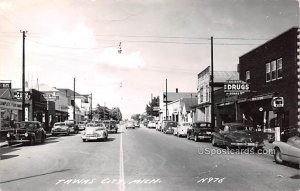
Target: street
column 138, row 159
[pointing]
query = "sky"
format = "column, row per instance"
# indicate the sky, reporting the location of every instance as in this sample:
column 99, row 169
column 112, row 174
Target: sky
column 160, row 39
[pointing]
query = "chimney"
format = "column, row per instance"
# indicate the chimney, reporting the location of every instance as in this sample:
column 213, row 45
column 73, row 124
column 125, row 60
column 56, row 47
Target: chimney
column 176, row 90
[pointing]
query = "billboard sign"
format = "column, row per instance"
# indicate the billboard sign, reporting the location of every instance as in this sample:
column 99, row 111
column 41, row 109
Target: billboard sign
column 5, row 85
column 18, row 95
column 236, row 87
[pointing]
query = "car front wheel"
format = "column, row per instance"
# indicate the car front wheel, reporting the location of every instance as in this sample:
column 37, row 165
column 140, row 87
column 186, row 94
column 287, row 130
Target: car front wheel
column 213, row 142
column 195, row 138
column 278, row 156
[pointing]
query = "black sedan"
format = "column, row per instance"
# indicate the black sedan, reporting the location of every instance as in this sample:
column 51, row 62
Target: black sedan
column 237, row 135
column 200, row 131
column 28, row 132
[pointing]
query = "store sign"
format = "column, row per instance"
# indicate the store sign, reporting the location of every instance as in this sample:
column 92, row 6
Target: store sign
column 10, row 104
column 18, row 95
column 5, row 85
column 277, row 102
column 236, row 87
column 49, row 96
column 26, row 114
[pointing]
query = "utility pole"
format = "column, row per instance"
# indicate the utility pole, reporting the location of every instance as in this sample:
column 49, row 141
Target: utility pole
column 74, row 104
column 91, row 106
column 166, row 99
column 212, row 97
column 23, row 77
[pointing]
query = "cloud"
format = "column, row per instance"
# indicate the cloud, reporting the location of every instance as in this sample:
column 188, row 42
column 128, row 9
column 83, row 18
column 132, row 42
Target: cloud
column 5, row 5
column 111, row 57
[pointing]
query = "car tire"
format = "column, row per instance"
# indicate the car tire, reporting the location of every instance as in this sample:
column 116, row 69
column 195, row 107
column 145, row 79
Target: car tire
column 43, row 139
column 68, row 133
column 277, row 156
column 188, row 137
column 32, row 141
column 83, row 140
column 196, row 138
column 213, row 141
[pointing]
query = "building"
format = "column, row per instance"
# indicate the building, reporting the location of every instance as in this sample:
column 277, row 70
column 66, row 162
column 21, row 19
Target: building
column 271, row 70
column 180, row 110
column 10, row 109
column 51, row 94
column 171, row 97
column 202, row 112
column 79, row 114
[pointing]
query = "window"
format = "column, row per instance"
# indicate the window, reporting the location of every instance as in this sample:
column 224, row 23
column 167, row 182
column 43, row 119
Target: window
column 268, row 72
column 279, row 68
column 201, row 94
column 273, row 70
column 207, row 93
column 247, row 75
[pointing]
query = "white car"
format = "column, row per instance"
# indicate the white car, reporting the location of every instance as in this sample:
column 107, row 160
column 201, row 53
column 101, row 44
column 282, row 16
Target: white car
column 181, row 129
column 151, row 125
column 94, row 131
column 289, row 151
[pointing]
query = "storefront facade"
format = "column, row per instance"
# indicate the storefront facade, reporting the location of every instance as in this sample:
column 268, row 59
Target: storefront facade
column 271, row 70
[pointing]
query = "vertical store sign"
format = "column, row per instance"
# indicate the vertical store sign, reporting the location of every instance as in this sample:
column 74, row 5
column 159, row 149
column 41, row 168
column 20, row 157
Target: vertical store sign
column 26, row 114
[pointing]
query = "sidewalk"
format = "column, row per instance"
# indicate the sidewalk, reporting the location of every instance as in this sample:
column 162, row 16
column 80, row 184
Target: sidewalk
column 4, row 143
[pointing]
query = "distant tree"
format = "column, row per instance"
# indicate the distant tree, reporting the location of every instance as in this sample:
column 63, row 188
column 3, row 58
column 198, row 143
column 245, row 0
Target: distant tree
column 149, row 107
column 115, row 113
column 136, row 117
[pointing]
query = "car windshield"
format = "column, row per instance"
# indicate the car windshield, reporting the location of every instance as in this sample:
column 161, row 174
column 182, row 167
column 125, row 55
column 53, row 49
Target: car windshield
column 59, row 124
column 27, row 125
column 171, row 124
column 203, row 125
column 238, row 128
column 185, row 124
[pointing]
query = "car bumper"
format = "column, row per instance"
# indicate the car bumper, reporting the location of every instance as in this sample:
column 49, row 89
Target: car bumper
column 18, row 141
column 93, row 137
column 245, row 144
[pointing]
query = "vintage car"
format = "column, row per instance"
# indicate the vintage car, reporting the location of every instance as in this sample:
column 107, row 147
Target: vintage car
column 28, row 132
column 111, row 126
column 181, row 129
column 237, row 135
column 94, row 131
column 152, row 125
column 61, row 128
column 81, row 125
column 137, row 124
column 199, row 131
column 73, row 126
column 168, row 126
column 129, row 125
column 289, row 151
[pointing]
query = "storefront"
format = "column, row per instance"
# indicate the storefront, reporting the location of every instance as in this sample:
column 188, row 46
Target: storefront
column 10, row 112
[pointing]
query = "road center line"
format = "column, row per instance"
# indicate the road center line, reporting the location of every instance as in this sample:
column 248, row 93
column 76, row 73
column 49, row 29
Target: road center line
column 122, row 180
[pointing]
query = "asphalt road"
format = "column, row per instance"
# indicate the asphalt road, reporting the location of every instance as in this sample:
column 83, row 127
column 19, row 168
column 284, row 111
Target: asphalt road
column 139, row 159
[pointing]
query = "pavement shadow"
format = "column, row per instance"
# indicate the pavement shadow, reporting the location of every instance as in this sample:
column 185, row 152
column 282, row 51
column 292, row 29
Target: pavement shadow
column 4, row 157
column 33, row 176
column 8, row 150
column 291, row 165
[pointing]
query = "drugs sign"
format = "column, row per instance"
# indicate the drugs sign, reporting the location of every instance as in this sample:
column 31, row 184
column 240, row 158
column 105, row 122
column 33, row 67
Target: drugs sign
column 236, row 87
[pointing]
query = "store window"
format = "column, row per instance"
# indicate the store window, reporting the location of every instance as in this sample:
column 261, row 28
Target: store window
column 207, row 93
column 247, row 75
column 273, row 70
column 268, row 72
column 201, row 94
column 279, row 68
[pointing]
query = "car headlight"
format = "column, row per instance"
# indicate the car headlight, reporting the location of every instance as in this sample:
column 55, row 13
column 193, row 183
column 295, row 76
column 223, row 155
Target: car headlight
column 83, row 132
column 26, row 134
column 8, row 135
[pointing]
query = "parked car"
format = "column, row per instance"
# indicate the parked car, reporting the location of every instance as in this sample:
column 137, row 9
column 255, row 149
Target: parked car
column 95, row 131
column 137, row 124
column 61, row 128
column 28, row 132
column 151, row 125
column 81, row 125
column 129, row 125
column 237, row 135
column 168, row 126
column 111, row 126
column 158, row 126
column 181, row 129
column 200, row 131
column 73, row 126
column 289, row 151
